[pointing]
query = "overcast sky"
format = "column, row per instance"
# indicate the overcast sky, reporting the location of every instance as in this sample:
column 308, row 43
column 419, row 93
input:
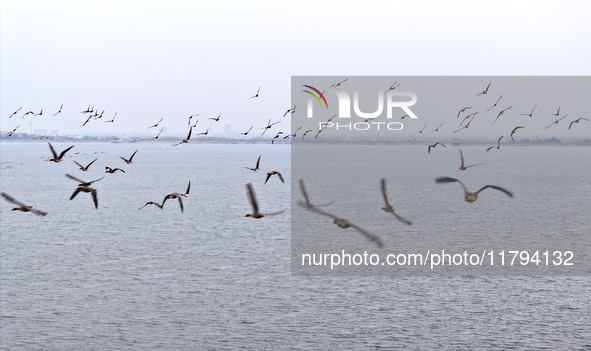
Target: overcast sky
column 146, row 60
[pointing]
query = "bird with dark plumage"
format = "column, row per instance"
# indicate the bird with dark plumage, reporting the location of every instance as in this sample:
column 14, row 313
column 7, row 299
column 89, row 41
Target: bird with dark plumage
column 255, row 206
column 22, row 207
column 57, row 158
column 468, row 196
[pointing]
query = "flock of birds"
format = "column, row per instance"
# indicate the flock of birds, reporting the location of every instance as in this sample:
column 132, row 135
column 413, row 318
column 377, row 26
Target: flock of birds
column 93, row 114
column 469, row 196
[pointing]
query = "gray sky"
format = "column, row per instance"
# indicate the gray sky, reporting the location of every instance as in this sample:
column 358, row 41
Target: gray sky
column 146, row 60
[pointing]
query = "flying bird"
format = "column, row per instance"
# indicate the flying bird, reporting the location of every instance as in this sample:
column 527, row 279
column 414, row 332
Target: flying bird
column 437, row 129
column 14, row 130
column 462, row 166
column 188, row 139
column 86, row 189
column 248, row 131
column 111, row 121
column 22, row 207
column 291, row 110
column 274, row 173
column 160, row 132
column 60, row 110
column 39, row 113
column 500, row 113
column 204, row 133
column 255, row 207
column 151, row 203
column 514, row 131
column 217, row 118
column 485, row 91
column 306, row 132
column 498, row 144
column 420, row 131
column 392, row 87
column 255, row 95
column 388, row 207
column 557, row 112
column 15, row 112
column 275, row 137
column 434, row 145
column 556, row 122
column 174, row 196
column 57, row 158
column 462, row 110
column 468, row 196
column 343, row 223
column 495, row 104
column 577, row 121
column 531, row 114
column 157, row 123
column 269, row 125
column 113, row 170
column 130, row 161
column 256, row 168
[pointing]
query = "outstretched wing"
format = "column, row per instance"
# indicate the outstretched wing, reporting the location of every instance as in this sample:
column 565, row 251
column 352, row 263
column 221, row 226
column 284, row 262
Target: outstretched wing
column 252, row 198
column 304, row 192
column 52, row 150
column 13, row 200
column 76, row 179
column 384, row 194
column 64, row 152
column 451, row 180
column 509, row 193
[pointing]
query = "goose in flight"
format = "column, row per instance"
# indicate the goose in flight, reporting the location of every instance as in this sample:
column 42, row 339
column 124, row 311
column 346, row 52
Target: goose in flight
column 388, row 207
column 468, row 196
column 256, row 168
column 86, row 189
column 174, row 196
column 84, row 169
column 255, row 206
column 56, row 158
column 462, row 167
column 130, row 161
column 273, row 173
column 22, row 207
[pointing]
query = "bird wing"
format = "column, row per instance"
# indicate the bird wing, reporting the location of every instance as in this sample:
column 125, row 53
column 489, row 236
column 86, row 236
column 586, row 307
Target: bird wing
column 66, row 150
column 304, row 192
column 368, row 235
column 94, row 197
column 450, row 180
column 403, row 220
column 252, row 198
column 188, row 188
column 280, row 177
column 268, row 176
column 81, row 166
column 190, row 131
column 509, row 193
column 384, row 194
column 181, row 204
column 13, row 200
column 91, row 163
column 258, row 162
column 96, row 180
column 131, row 158
column 52, row 150
column 78, row 189
column 461, row 158
column 76, row 179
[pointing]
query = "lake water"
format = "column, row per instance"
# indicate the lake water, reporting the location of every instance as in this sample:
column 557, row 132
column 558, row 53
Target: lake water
column 119, row 278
